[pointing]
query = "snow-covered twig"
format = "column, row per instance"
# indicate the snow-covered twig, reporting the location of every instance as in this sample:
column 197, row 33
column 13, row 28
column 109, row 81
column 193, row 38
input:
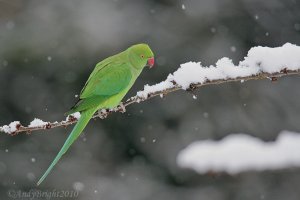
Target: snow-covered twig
column 260, row 63
column 238, row 153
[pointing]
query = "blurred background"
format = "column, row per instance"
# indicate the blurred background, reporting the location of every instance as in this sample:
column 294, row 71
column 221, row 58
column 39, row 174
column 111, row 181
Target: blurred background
column 49, row 48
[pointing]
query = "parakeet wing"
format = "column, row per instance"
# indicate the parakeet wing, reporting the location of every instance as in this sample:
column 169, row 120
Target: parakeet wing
column 102, row 84
column 108, row 80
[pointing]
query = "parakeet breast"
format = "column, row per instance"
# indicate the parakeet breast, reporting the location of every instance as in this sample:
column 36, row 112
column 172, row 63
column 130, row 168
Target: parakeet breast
column 115, row 100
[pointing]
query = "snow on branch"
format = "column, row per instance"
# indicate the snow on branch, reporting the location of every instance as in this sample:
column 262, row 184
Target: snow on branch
column 238, row 153
column 260, row 63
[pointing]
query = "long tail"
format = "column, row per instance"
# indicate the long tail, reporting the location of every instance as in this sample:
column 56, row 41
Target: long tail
column 78, row 128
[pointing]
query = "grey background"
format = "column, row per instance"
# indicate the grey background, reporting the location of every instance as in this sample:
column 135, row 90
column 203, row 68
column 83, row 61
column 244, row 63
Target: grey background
column 49, row 48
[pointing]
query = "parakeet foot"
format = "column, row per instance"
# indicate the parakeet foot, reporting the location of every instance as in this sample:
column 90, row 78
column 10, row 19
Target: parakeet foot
column 122, row 108
column 102, row 113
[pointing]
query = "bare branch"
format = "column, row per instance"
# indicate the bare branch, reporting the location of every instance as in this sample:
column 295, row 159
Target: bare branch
column 18, row 128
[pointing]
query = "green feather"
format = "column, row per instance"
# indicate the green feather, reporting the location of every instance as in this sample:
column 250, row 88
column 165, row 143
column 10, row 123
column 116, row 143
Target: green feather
column 81, row 124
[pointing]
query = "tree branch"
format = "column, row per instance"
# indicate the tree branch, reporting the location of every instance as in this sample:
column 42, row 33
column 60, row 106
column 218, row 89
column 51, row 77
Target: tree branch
column 138, row 98
column 260, row 63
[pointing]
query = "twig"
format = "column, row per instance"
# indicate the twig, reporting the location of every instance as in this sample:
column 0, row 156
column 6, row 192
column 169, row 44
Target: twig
column 137, row 99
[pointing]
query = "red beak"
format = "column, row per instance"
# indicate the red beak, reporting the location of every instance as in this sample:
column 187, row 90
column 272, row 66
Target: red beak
column 150, row 62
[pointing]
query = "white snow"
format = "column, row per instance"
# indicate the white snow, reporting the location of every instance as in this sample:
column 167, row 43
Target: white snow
column 259, row 59
column 37, row 123
column 274, row 59
column 239, row 152
column 157, row 87
column 78, row 186
column 76, row 115
column 233, row 48
column 11, row 128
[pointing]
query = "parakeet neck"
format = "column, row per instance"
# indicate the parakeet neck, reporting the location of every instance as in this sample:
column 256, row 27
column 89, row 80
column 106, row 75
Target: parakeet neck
column 135, row 61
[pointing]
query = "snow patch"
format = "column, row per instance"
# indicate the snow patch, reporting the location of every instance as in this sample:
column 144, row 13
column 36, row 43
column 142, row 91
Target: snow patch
column 259, row 60
column 239, row 152
column 154, row 88
column 273, row 59
column 11, row 128
column 37, row 123
column 71, row 117
column 76, row 115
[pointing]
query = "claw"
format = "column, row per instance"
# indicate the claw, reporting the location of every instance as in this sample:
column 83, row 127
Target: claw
column 102, row 113
column 122, row 108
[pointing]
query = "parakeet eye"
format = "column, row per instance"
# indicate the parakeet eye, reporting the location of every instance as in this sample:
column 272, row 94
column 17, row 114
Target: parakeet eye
column 142, row 56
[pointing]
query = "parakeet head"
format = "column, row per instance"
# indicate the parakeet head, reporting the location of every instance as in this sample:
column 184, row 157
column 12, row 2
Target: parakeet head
column 141, row 55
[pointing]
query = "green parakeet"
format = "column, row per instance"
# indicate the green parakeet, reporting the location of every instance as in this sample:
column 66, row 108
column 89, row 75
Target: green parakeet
column 105, row 88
